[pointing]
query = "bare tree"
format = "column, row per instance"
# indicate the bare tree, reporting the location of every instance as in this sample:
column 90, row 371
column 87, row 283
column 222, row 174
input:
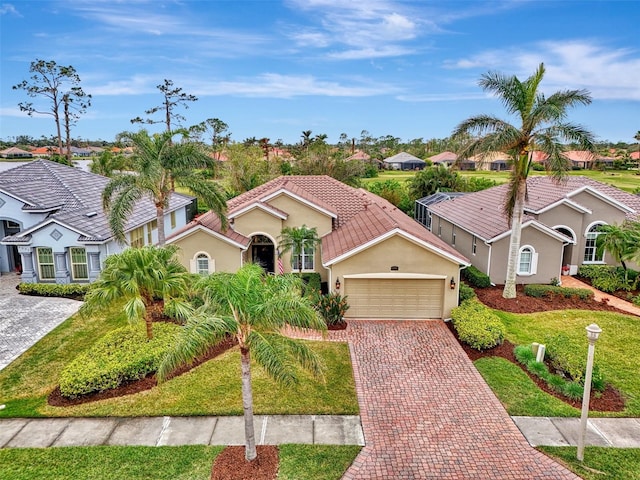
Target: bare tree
column 61, row 86
column 173, row 97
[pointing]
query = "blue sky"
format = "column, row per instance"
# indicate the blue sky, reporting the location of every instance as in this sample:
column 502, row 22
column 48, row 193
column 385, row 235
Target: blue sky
column 275, row 68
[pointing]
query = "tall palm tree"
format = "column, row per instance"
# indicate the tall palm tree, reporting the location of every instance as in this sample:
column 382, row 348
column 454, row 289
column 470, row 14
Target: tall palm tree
column 253, row 308
column 159, row 163
column 300, row 241
column 542, row 127
column 139, row 276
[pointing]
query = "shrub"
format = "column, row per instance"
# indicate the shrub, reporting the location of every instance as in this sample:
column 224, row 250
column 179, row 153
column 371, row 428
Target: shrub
column 539, row 291
column 64, row 290
column 636, row 300
column 524, row 354
column 477, row 325
column 332, row 307
column 568, row 357
column 573, row 390
column 539, row 369
column 608, row 278
column 311, row 283
column 120, row 356
column 475, row 277
column 465, row 293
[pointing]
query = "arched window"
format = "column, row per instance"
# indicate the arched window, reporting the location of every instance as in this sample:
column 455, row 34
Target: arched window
column 590, row 247
column 527, row 261
column 202, row 264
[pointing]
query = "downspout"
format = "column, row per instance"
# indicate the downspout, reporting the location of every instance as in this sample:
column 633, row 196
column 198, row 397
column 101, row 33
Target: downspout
column 489, row 262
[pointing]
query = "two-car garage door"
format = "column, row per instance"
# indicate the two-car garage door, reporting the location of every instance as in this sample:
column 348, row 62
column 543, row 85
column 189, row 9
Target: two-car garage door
column 394, row 298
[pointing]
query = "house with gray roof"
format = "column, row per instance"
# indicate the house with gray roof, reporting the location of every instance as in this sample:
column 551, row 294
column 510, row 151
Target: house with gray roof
column 559, row 229
column 53, row 228
column 388, row 265
column 404, row 161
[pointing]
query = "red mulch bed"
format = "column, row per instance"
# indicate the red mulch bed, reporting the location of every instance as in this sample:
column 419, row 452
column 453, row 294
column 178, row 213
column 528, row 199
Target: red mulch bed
column 492, row 297
column 608, row 401
column 57, row 400
column 231, row 464
column 342, row 325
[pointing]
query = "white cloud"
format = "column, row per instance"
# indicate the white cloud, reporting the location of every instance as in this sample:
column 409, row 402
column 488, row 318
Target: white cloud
column 609, row 74
column 136, row 85
column 7, row 8
column 275, row 85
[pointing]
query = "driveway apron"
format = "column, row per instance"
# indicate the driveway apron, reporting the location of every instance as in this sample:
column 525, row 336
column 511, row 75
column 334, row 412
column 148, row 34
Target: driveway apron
column 25, row 319
column 427, row 413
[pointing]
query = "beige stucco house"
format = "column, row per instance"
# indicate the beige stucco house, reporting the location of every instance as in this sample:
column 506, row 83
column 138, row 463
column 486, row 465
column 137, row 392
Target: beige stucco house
column 559, row 228
column 387, row 264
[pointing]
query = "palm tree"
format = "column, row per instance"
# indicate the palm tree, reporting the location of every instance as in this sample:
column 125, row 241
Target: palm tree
column 621, row 241
column 158, row 163
column 139, row 276
column 542, row 128
column 300, row 241
column 252, row 308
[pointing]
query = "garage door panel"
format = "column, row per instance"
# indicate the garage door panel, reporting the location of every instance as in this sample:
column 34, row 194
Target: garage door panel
column 394, row 298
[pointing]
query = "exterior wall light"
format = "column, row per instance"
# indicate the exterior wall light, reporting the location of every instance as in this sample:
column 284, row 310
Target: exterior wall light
column 338, row 283
column 452, row 283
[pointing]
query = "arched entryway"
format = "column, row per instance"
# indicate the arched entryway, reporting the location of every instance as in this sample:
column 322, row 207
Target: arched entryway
column 263, row 252
column 567, row 252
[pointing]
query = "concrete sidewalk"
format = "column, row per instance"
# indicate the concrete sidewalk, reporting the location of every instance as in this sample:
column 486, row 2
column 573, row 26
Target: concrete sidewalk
column 161, row 431
column 563, row 432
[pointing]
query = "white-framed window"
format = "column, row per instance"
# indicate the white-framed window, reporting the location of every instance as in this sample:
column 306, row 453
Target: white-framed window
column 172, row 217
column 136, row 237
column 304, row 259
column 474, row 244
column 202, row 264
column 79, row 265
column 453, row 235
column 153, row 225
column 527, row 260
column 46, row 266
column 590, row 246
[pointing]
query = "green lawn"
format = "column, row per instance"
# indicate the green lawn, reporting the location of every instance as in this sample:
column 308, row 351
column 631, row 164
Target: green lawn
column 627, row 180
column 617, row 354
column 599, row 462
column 312, row 462
column 212, row 388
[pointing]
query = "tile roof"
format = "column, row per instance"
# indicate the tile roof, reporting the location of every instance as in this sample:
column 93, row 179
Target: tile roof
column 444, row 157
column 403, row 157
column 74, row 196
column 361, row 216
column 211, row 221
column 481, row 212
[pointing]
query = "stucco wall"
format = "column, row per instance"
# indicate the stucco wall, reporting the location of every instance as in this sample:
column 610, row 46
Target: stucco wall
column 409, row 257
column 549, row 252
column 226, row 256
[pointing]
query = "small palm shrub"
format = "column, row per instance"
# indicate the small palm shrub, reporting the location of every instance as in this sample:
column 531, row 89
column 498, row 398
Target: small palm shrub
column 120, row 356
column 332, row 307
column 477, row 326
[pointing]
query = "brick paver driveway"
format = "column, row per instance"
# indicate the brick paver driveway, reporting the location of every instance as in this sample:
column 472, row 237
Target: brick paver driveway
column 427, row 412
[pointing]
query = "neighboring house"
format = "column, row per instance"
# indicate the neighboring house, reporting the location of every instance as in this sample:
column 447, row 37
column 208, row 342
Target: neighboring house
column 445, row 158
column 497, row 161
column 53, row 228
column 387, row 264
column 359, row 155
column 15, row 152
column 404, row 161
column 559, row 228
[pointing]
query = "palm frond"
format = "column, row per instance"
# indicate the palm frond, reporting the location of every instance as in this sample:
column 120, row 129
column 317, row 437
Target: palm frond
column 270, row 352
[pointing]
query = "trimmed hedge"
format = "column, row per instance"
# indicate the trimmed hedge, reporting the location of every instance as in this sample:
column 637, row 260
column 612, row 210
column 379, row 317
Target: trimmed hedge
column 122, row 355
column 567, row 356
column 477, row 325
column 609, row 278
column 475, row 277
column 64, row 290
column 539, row 291
column 465, row 293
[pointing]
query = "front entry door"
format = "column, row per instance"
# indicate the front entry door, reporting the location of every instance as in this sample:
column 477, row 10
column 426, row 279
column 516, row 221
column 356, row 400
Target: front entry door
column 263, row 253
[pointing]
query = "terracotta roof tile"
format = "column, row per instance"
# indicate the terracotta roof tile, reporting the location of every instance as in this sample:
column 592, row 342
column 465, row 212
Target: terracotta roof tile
column 481, row 212
column 211, row 221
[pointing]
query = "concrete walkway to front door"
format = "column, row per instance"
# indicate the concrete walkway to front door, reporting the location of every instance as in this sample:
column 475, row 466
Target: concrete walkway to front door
column 427, row 413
